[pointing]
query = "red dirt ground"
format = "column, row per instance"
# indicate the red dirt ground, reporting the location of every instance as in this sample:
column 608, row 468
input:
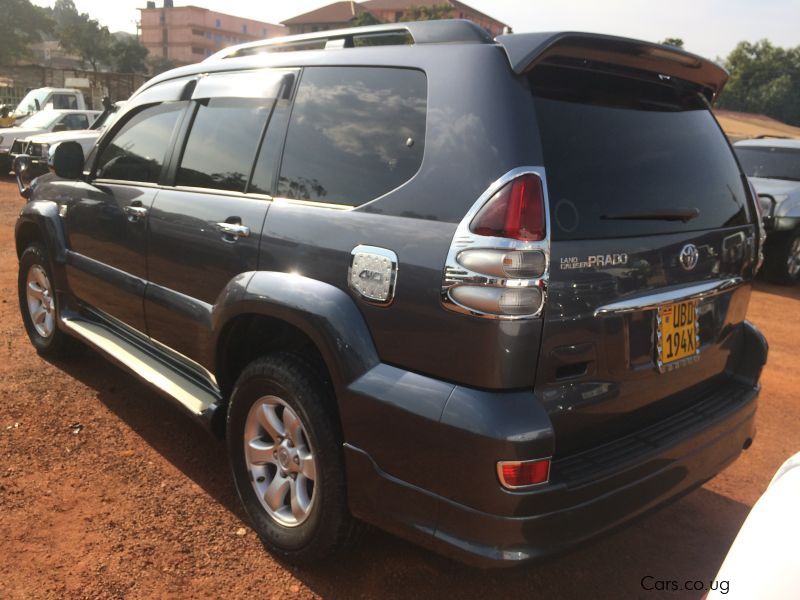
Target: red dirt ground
column 106, row 491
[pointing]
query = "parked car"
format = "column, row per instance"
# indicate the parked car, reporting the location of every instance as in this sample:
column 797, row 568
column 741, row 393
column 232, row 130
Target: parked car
column 489, row 295
column 37, row 146
column 48, row 98
column 763, row 561
column 43, row 121
column 773, row 166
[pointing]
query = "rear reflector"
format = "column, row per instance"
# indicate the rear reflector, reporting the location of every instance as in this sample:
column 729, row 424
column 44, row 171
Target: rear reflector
column 517, row 474
column 516, row 211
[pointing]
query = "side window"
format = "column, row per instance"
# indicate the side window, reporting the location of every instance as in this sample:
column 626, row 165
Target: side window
column 75, row 121
column 64, row 101
column 222, row 143
column 137, row 150
column 355, row 134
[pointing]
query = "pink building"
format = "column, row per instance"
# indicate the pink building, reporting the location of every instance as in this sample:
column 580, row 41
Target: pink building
column 188, row 34
column 342, row 14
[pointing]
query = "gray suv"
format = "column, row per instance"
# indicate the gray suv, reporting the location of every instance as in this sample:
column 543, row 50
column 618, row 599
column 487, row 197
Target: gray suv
column 486, row 294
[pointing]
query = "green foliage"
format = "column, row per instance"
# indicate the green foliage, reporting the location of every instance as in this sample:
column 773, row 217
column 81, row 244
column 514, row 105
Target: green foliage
column 764, row 79
column 21, row 24
column 128, row 55
column 365, row 18
column 78, row 33
column 672, row 41
column 159, row 64
column 428, row 13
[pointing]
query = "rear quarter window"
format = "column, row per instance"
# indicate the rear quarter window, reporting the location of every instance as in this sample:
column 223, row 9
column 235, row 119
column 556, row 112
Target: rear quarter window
column 616, row 148
column 355, row 133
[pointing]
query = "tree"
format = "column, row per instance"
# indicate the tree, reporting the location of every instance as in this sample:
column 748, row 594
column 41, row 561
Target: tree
column 128, row 55
column 365, row 18
column 159, row 64
column 672, row 41
column 428, row 13
column 80, row 34
column 21, row 24
column 764, row 79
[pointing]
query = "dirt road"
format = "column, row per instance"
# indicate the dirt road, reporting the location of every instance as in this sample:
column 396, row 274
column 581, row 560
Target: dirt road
column 107, row 491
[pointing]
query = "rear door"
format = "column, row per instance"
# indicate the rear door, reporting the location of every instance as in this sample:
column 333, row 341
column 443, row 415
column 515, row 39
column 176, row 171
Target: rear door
column 204, row 228
column 652, row 238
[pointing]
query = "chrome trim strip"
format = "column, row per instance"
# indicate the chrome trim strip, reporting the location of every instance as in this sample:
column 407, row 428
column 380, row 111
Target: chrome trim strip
column 456, row 274
column 653, row 301
column 281, row 200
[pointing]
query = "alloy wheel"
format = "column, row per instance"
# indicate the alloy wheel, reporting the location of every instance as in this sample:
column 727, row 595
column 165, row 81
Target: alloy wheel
column 280, row 461
column 41, row 304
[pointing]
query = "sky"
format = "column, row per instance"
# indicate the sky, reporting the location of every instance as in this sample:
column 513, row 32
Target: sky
column 710, row 28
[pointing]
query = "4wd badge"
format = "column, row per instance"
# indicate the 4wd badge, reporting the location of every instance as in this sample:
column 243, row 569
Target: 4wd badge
column 373, row 273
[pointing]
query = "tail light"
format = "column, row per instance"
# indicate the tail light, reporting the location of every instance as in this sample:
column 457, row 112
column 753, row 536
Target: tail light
column 498, row 262
column 515, row 474
column 516, row 211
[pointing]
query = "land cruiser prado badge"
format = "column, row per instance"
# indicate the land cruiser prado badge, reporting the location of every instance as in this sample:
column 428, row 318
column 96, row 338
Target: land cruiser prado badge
column 373, row 273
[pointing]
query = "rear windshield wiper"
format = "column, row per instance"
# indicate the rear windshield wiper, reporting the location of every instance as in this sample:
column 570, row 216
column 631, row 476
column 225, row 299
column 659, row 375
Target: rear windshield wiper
column 672, row 214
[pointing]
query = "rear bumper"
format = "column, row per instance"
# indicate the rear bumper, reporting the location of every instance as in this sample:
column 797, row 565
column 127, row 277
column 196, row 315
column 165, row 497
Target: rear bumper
column 589, row 493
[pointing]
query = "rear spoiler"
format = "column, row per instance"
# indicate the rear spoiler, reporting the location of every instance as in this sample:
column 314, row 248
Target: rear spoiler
column 527, row 50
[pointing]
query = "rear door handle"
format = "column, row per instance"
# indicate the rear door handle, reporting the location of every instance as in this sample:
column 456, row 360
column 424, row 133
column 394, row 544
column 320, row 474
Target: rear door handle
column 232, row 231
column 135, row 212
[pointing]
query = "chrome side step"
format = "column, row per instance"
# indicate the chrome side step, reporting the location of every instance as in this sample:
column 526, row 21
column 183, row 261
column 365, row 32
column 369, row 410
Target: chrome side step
column 197, row 400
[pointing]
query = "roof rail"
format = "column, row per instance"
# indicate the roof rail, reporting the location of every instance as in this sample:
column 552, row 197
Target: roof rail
column 420, row 32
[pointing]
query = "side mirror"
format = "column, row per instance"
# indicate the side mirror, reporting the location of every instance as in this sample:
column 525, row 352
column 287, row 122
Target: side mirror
column 66, row 160
column 22, row 164
column 60, row 127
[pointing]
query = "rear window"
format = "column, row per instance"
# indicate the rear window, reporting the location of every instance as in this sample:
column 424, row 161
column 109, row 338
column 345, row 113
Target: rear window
column 629, row 157
column 770, row 162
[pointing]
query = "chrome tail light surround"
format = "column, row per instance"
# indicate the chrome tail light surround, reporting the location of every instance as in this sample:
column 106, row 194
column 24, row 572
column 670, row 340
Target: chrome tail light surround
column 456, row 274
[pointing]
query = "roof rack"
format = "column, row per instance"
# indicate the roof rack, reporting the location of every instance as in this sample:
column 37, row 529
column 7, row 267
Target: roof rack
column 420, row 32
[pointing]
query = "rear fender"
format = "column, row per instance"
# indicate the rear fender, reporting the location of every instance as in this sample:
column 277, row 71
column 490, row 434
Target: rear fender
column 324, row 313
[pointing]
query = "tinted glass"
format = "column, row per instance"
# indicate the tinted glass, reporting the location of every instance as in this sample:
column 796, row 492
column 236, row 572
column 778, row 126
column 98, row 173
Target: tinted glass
column 267, row 165
column 222, row 143
column 770, row 162
column 620, row 152
column 355, row 134
column 137, row 151
column 67, row 101
column 75, row 122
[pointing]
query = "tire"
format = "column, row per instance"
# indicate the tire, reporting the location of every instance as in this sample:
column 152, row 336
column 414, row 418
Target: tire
column 269, row 398
column 782, row 258
column 38, row 304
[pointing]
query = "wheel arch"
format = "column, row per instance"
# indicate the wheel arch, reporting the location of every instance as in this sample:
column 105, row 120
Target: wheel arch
column 273, row 311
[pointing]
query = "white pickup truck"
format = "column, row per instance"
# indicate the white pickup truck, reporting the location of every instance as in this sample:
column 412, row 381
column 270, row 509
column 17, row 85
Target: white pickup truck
column 48, row 98
column 41, row 122
column 38, row 146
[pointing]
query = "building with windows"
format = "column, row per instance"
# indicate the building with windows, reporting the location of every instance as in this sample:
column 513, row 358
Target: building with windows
column 342, row 14
column 188, row 34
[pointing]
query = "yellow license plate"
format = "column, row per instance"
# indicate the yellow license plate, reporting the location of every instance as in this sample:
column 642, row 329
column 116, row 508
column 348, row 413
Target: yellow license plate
column 677, row 328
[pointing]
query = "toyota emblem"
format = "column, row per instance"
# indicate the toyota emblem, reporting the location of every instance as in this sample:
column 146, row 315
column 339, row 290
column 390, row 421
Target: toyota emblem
column 689, row 256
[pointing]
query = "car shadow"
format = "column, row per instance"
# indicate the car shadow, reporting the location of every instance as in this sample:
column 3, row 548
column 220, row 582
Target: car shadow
column 686, row 540
column 786, row 291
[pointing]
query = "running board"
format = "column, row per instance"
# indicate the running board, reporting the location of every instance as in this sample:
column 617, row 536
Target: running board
column 198, row 401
